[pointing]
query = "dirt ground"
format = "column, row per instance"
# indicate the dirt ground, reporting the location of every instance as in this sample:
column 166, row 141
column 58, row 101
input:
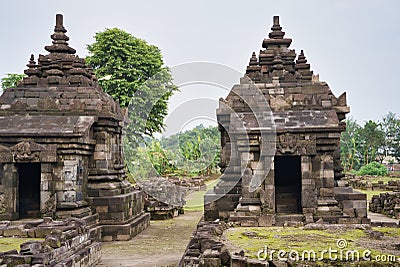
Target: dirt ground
column 161, row 244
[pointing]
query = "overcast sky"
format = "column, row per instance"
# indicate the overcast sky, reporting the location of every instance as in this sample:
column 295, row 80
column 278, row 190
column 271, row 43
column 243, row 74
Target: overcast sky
column 353, row 45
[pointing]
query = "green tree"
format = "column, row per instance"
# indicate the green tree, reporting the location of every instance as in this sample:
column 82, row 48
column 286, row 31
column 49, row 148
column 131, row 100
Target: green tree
column 373, row 168
column 11, row 80
column 350, row 146
column 372, row 138
column 132, row 71
column 391, row 128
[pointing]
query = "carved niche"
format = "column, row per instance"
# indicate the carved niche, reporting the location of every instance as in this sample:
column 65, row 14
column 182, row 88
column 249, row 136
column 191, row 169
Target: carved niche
column 31, row 152
column 25, row 152
column 296, row 144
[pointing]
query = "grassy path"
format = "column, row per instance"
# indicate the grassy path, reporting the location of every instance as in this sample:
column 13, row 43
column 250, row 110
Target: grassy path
column 161, row 244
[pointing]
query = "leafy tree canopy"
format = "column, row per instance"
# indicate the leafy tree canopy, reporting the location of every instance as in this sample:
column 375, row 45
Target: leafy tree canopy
column 374, row 141
column 132, row 71
column 11, row 80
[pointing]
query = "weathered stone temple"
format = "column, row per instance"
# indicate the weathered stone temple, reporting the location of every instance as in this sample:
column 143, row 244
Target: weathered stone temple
column 302, row 182
column 61, row 150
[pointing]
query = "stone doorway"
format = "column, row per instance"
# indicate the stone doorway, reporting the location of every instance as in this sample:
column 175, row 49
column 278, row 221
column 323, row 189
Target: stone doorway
column 287, row 184
column 29, row 190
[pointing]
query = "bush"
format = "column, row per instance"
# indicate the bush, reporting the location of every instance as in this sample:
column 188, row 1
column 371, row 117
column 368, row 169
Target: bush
column 373, row 168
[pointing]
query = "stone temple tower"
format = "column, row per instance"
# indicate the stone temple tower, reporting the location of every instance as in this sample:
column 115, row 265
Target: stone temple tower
column 302, row 181
column 61, row 150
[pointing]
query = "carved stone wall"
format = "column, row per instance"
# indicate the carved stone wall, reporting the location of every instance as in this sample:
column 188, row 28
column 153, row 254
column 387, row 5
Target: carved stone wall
column 58, row 118
column 307, row 121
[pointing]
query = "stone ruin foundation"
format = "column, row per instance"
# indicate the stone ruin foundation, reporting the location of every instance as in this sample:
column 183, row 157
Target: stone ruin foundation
column 66, row 243
column 61, row 151
column 303, row 183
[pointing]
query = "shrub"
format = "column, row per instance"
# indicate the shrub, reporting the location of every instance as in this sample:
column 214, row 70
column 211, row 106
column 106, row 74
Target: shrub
column 373, row 168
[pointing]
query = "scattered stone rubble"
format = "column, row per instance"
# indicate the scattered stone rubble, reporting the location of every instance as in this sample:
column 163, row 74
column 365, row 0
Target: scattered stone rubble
column 66, row 243
column 362, row 182
column 386, row 203
column 163, row 199
column 170, row 194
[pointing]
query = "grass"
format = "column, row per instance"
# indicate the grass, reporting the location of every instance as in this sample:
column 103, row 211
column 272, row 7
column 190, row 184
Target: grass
column 385, row 179
column 370, row 193
column 11, row 243
column 252, row 239
column 195, row 201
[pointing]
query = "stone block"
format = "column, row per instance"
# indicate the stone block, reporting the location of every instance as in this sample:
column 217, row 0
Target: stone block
column 266, row 220
column 309, row 199
column 15, row 231
column 328, row 173
column 328, row 182
column 361, row 212
column 360, row 204
column 326, row 192
column 305, row 167
column 358, row 196
column 100, row 156
column 350, row 212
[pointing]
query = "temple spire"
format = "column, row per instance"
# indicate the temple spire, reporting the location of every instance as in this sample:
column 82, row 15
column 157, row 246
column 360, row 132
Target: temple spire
column 32, row 70
column 253, row 59
column 276, row 36
column 303, row 68
column 60, row 40
column 276, row 28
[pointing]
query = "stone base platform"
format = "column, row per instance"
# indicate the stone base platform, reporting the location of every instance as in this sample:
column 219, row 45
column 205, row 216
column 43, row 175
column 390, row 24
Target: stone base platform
column 125, row 231
column 165, row 213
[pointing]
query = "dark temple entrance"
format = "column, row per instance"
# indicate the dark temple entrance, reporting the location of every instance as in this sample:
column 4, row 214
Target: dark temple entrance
column 288, row 184
column 29, row 190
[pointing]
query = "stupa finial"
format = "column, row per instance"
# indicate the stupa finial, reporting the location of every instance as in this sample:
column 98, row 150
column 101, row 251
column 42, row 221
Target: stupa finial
column 60, row 40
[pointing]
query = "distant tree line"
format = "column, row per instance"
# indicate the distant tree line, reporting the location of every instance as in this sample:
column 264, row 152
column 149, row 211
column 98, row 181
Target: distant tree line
column 372, row 141
column 191, row 153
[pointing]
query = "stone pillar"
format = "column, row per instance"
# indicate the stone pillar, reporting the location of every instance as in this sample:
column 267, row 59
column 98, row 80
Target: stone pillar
column 47, row 194
column 268, row 201
column 9, row 194
column 308, row 186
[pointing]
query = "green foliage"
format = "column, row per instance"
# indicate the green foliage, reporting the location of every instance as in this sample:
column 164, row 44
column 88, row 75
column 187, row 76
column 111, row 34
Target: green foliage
column 372, row 138
column 11, row 80
column 373, row 168
column 132, row 72
column 391, row 128
column 191, row 153
column 349, row 146
column 360, row 145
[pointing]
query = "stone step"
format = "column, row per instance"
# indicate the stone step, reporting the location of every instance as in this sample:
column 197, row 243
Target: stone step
column 244, row 220
column 286, row 208
column 250, row 201
column 282, row 218
column 249, row 208
column 91, row 220
column 227, row 190
column 285, row 195
column 286, row 201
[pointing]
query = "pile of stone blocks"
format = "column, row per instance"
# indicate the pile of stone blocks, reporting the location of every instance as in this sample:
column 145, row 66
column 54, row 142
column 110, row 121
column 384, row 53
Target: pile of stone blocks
column 163, row 199
column 386, row 203
column 205, row 247
column 66, row 243
column 362, row 182
column 353, row 204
